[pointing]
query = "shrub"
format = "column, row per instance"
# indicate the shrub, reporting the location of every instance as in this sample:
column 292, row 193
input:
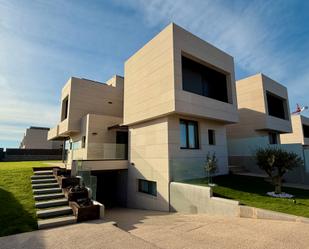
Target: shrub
column 276, row 162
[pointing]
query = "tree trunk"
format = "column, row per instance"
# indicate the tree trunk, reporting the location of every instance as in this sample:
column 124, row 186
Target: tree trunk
column 278, row 184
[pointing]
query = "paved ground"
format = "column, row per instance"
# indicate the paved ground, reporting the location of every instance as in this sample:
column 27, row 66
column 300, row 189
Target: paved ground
column 202, row 231
column 92, row 235
column 148, row 229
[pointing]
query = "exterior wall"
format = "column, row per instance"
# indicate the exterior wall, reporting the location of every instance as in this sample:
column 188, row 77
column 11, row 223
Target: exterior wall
column 149, row 80
column 36, row 138
column 149, row 160
column 153, row 79
column 297, row 136
column 189, row 163
column 188, row 103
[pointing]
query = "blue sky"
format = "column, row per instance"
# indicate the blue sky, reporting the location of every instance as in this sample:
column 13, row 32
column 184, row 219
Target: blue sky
column 43, row 43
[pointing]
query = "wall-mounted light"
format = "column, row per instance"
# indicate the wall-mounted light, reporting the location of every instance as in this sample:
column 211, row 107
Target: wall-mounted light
column 94, row 133
column 110, row 102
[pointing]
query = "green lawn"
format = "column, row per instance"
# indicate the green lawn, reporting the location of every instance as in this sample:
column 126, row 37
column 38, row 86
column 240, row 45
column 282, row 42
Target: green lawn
column 17, row 211
column 251, row 191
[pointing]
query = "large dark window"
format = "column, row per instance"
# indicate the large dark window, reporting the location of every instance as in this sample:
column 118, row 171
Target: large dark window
column 188, row 134
column 306, row 131
column 276, row 106
column 65, row 106
column 203, row 80
column 147, row 187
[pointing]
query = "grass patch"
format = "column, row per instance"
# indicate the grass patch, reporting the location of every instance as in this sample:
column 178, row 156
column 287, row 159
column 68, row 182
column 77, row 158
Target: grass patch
column 17, row 211
column 251, row 191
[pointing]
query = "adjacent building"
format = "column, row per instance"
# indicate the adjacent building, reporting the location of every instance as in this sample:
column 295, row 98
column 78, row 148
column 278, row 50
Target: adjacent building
column 156, row 125
column 36, row 138
column 264, row 115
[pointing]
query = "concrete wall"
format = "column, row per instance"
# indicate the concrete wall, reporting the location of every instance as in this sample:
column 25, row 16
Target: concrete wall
column 188, row 163
column 148, row 154
column 193, row 199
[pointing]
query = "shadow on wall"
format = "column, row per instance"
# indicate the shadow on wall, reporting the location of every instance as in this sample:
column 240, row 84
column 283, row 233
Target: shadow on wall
column 13, row 218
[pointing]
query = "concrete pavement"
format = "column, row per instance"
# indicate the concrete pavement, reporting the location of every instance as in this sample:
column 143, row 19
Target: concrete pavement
column 201, row 231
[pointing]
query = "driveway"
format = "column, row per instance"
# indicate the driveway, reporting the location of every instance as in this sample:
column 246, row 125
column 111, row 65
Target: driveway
column 167, row 230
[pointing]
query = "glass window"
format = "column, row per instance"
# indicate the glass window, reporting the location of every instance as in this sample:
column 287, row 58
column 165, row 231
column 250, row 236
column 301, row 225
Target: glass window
column 188, row 134
column 147, row 187
column 83, row 141
column 273, row 138
column 203, row 80
column 276, row 106
column 211, row 137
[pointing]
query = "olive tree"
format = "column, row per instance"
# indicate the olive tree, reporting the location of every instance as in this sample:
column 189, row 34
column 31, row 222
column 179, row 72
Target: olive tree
column 276, row 162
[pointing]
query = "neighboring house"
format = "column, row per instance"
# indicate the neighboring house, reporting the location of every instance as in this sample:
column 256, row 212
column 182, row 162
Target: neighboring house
column 177, row 97
column 36, row 138
column 264, row 114
column 300, row 133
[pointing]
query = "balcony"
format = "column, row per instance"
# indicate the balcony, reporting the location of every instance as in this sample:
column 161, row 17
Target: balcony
column 101, row 156
column 53, row 133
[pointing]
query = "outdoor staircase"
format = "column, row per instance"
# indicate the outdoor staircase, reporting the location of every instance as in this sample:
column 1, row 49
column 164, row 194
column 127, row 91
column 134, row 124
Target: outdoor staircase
column 52, row 207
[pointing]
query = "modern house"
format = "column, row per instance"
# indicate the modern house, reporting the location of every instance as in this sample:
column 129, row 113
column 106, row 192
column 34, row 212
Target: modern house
column 171, row 109
column 300, row 134
column 36, row 138
column 264, row 114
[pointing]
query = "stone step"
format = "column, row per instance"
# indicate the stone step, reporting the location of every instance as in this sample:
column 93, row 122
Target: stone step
column 52, row 203
column 56, row 222
column 48, row 197
column 41, row 181
column 41, row 177
column 53, row 212
column 43, row 172
column 45, row 185
column 46, row 191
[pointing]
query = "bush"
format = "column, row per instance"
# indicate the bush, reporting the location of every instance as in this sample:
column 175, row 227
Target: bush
column 276, row 162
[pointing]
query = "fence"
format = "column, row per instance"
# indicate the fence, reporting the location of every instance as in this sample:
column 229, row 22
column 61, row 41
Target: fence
column 10, row 155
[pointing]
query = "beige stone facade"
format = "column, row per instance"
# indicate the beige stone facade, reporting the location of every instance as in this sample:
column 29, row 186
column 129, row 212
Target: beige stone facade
column 36, row 138
column 172, row 123
column 300, row 126
column 154, row 104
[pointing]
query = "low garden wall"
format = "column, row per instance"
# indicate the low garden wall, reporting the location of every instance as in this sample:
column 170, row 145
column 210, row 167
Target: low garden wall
column 194, row 199
column 11, row 155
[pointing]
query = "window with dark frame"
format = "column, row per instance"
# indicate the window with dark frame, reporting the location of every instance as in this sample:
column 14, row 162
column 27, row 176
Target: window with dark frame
column 306, row 131
column 83, row 141
column 276, row 106
column 188, row 134
column 204, row 80
column 211, row 137
column 147, row 187
column 273, row 138
column 65, row 106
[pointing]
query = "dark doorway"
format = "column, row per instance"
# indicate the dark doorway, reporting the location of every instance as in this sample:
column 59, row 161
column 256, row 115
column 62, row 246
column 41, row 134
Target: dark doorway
column 111, row 187
column 122, row 138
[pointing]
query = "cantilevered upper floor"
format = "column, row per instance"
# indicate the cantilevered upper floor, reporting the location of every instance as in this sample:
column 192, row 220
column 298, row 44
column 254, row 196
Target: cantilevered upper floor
column 300, row 133
column 263, row 106
column 80, row 97
column 177, row 72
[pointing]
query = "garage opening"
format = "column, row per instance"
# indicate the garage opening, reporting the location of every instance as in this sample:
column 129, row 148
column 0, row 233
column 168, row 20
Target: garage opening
column 111, row 187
